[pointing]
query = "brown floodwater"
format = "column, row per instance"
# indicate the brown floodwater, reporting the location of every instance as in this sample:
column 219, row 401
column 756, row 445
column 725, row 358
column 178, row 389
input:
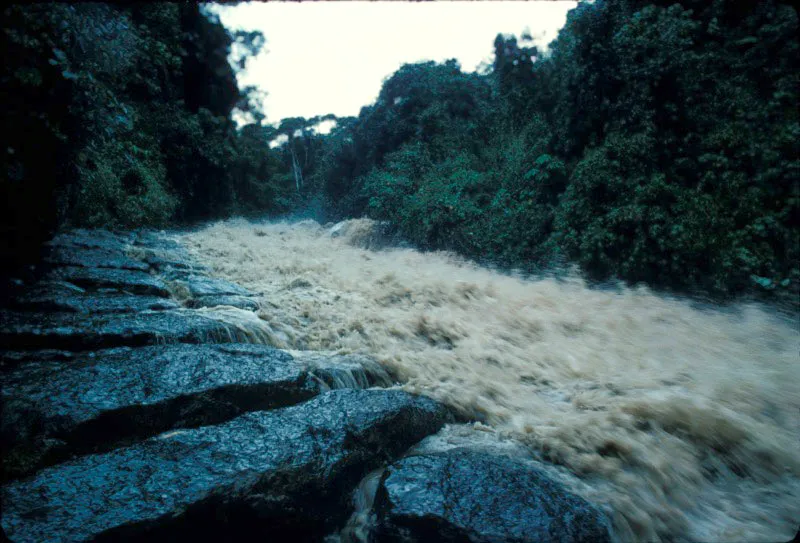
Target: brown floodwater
column 682, row 421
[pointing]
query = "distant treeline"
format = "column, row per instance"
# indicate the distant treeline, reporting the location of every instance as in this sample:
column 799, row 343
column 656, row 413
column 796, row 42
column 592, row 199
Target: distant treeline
column 655, row 142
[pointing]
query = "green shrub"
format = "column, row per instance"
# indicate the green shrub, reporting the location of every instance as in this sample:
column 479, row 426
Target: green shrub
column 116, row 189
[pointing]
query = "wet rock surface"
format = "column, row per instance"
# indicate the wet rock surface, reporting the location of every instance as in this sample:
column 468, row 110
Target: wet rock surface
column 121, row 280
column 166, row 257
column 198, row 285
column 93, row 257
column 344, row 371
column 281, row 474
column 97, row 401
column 240, row 302
column 478, row 496
column 96, row 239
column 54, row 296
column 81, row 332
column 12, row 359
column 140, row 402
column 102, row 289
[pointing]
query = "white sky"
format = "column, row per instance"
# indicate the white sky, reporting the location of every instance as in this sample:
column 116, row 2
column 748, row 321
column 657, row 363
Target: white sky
column 332, row 57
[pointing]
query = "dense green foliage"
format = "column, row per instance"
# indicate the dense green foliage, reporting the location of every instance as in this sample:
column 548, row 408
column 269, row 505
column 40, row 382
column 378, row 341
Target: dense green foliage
column 655, row 142
column 120, row 115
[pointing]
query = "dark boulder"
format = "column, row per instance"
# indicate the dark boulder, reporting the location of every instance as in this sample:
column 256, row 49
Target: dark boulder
column 97, row 401
column 477, row 496
column 280, row 475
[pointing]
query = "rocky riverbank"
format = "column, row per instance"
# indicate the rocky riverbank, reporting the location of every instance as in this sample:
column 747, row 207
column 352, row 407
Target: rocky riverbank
column 141, row 400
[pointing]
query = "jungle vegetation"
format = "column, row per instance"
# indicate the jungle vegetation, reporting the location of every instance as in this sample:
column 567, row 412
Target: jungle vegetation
column 653, row 141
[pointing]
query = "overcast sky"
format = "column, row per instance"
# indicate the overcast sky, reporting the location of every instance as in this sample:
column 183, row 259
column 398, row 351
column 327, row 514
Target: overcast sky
column 331, row 57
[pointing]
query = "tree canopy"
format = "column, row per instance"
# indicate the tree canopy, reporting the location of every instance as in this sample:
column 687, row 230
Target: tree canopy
column 652, row 141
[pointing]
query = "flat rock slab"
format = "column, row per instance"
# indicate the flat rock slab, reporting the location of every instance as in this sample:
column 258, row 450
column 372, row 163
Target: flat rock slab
column 93, row 239
column 130, row 281
column 477, row 496
column 53, row 409
column 75, row 332
column 93, row 257
column 123, row 303
column 63, row 296
column 280, row 475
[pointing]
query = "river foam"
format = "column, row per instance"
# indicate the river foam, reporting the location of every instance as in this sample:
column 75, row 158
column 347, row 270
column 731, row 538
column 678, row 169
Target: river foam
column 682, row 421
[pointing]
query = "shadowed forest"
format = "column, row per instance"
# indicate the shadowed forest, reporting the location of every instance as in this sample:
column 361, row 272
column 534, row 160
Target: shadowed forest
column 653, row 142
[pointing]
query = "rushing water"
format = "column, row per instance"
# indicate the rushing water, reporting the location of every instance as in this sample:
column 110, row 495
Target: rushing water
column 683, row 422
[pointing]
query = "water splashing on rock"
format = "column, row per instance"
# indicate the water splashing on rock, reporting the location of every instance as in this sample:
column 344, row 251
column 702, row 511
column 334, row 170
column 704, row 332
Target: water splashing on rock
column 681, row 419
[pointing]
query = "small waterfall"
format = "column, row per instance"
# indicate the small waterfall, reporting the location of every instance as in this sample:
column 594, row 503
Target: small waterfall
column 361, row 523
column 336, row 371
column 242, row 326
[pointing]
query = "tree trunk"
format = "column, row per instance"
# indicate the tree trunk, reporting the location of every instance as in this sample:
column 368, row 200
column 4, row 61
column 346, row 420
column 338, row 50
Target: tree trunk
column 298, row 173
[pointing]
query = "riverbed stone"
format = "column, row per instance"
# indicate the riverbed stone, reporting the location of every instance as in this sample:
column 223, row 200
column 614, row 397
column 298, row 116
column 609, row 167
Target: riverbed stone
column 121, row 280
column 465, row 495
column 96, row 401
column 69, row 255
column 281, row 475
column 93, row 239
column 57, row 296
column 76, row 332
column 196, row 286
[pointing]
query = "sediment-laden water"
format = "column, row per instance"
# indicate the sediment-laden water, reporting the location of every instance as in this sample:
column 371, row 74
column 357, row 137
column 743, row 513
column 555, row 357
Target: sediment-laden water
column 683, row 421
